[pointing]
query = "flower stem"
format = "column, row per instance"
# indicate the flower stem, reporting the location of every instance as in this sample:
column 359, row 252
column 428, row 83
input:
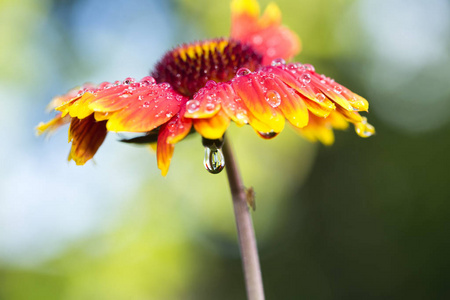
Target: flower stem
column 246, row 233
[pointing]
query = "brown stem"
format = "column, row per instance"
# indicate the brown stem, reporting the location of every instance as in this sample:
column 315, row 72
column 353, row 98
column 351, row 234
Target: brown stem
column 246, row 233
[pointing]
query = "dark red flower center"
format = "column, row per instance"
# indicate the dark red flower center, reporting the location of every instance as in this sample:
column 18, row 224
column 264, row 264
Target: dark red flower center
column 189, row 67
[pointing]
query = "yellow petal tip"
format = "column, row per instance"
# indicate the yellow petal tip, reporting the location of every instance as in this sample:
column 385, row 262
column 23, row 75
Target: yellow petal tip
column 249, row 7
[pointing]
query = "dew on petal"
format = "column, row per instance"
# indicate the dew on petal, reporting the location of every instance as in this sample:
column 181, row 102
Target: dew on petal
column 278, row 62
column 309, row 67
column 242, row 72
column 165, row 85
column 141, row 97
column 210, row 107
column 273, row 98
column 129, row 80
column 337, row 89
column 306, row 78
column 192, row 106
column 210, row 84
column 147, row 80
column 320, row 97
column 214, row 161
column 241, row 115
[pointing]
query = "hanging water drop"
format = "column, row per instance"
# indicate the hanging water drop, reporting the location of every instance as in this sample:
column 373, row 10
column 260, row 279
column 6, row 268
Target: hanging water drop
column 214, row 161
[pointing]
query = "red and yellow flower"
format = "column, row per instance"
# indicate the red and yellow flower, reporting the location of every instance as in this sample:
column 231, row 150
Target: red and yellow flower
column 206, row 85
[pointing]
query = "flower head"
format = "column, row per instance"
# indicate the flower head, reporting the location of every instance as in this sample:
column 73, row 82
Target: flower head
column 204, row 85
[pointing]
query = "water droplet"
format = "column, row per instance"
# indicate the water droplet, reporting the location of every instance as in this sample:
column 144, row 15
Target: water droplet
column 165, row 85
column 169, row 115
column 146, row 104
column 128, row 80
column 293, row 68
column 210, row 84
column 309, row 67
column 104, row 85
column 141, row 97
column 147, row 80
column 192, row 106
column 268, row 135
column 214, row 161
column 337, row 89
column 243, row 72
column 241, row 115
column 210, row 107
column 278, row 62
column 273, row 98
column 306, row 78
column 320, row 97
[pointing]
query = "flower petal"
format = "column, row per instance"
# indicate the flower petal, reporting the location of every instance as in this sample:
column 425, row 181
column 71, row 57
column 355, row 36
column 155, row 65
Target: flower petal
column 266, row 34
column 146, row 109
column 214, row 127
column 206, row 102
column 169, row 134
column 321, row 129
column 86, row 136
column 52, row 125
column 291, row 104
column 251, row 89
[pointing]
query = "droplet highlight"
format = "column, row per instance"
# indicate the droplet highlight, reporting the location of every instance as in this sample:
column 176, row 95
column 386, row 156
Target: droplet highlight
column 242, row 72
column 192, row 106
column 306, row 78
column 320, row 97
column 214, row 161
column 278, row 62
column 273, row 98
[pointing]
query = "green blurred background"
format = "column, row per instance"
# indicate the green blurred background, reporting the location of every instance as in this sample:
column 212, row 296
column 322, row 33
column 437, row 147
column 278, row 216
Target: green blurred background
column 363, row 219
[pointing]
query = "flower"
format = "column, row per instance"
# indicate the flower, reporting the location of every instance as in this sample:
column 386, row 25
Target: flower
column 204, row 85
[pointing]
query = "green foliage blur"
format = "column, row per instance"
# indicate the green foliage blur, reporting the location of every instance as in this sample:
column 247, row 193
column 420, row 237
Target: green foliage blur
column 362, row 219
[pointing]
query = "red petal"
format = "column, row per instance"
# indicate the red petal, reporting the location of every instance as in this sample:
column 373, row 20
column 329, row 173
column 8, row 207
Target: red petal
column 145, row 109
column 86, row 136
column 169, row 134
column 251, row 89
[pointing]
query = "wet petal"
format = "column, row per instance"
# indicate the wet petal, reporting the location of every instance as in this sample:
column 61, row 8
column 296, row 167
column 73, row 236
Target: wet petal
column 206, row 102
column 251, row 89
column 287, row 101
column 146, row 110
column 170, row 133
column 307, row 82
column 164, row 150
column 86, row 136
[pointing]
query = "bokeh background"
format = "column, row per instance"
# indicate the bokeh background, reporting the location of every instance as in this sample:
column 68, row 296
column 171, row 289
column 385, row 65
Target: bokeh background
column 363, row 219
